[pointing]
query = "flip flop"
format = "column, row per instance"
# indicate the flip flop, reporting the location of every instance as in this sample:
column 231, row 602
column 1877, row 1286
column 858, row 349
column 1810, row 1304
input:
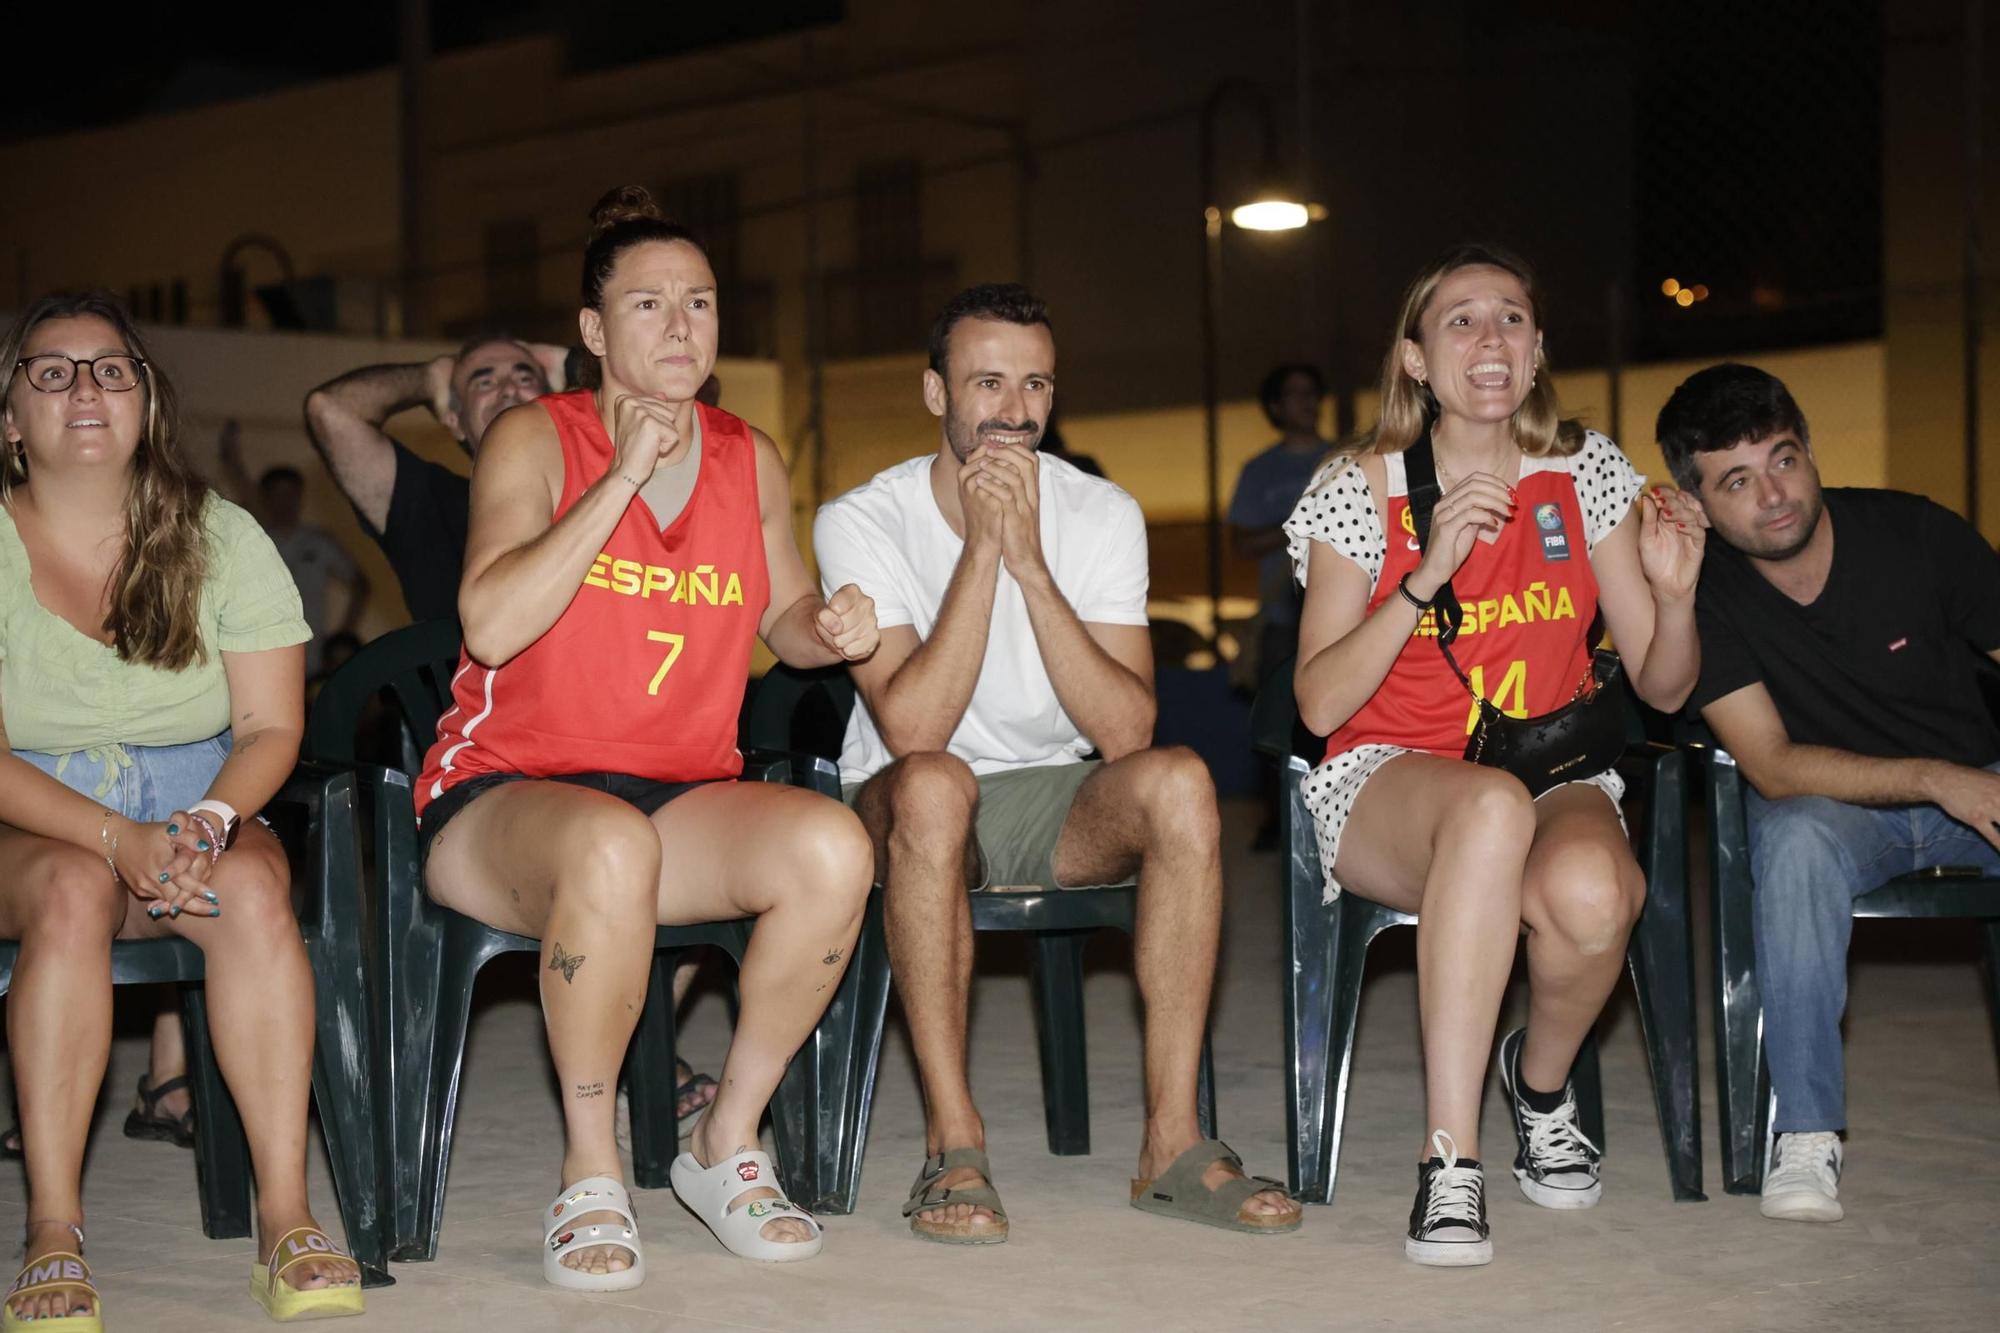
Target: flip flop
column 707, row 1192
column 149, row 1123
column 927, row 1194
column 57, row 1270
column 285, row 1302
column 592, row 1194
column 1178, row 1192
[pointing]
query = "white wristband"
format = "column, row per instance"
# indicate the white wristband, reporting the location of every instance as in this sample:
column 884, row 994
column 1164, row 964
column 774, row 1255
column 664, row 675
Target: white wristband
column 227, row 812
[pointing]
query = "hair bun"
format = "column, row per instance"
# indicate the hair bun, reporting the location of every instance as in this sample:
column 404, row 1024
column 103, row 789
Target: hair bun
column 626, row 203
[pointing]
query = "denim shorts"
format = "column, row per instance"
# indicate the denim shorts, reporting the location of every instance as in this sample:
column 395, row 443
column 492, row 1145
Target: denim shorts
column 145, row 783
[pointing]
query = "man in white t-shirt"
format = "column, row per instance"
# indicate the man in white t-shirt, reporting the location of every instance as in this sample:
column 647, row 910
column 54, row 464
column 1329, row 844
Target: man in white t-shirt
column 1011, row 594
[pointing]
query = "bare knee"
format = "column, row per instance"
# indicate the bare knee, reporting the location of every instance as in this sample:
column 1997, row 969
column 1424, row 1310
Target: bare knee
column 69, row 900
column 1588, row 895
column 1173, row 787
column 932, row 792
column 1492, row 810
column 829, row 859
column 612, row 862
column 255, row 894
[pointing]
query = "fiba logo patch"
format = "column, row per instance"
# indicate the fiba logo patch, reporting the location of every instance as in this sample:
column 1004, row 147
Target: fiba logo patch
column 1555, row 541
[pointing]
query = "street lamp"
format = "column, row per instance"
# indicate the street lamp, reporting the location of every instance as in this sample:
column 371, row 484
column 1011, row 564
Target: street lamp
column 1272, row 208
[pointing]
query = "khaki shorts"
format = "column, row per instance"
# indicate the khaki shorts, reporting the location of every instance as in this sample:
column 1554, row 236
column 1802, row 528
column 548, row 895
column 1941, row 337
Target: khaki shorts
column 1020, row 817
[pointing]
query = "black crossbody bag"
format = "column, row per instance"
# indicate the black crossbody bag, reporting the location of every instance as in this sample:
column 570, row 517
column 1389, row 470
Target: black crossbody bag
column 1584, row 737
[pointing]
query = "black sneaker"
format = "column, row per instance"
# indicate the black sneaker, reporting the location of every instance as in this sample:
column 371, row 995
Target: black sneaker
column 1448, row 1222
column 1557, row 1165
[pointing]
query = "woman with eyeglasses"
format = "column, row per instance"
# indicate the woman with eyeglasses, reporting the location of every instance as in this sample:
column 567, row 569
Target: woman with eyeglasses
column 152, row 681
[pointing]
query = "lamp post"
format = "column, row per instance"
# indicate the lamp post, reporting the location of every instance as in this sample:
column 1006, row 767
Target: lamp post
column 1271, row 209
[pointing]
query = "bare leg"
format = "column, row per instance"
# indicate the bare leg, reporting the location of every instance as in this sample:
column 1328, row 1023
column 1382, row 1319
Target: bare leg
column 260, row 1005
column 580, row 870
column 1580, row 898
column 800, row 864
column 1154, row 811
column 918, row 813
column 62, row 905
column 702, row 1095
column 168, row 1061
column 1447, row 840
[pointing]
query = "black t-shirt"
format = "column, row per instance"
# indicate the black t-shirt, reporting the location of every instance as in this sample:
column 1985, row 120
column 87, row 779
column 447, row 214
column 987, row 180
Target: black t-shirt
column 1883, row 662
column 424, row 536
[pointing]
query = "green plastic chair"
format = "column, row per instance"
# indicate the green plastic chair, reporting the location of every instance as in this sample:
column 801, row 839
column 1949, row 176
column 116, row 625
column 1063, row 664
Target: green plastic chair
column 1327, row 948
column 314, row 818
column 797, row 711
column 1743, row 1092
column 423, row 960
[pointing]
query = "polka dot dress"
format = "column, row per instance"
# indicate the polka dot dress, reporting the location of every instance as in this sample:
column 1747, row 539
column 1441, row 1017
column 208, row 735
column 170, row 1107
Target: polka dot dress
column 1339, row 510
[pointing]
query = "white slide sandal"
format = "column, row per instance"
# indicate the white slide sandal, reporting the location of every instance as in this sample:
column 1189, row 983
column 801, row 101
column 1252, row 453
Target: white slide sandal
column 592, row 1194
column 707, row 1193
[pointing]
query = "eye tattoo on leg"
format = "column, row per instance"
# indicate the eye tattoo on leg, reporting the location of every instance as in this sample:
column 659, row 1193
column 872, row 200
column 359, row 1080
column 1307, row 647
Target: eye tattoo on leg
column 565, row 963
column 832, row 957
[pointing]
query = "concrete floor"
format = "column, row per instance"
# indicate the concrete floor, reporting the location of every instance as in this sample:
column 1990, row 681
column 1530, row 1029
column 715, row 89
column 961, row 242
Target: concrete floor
column 1918, row 1249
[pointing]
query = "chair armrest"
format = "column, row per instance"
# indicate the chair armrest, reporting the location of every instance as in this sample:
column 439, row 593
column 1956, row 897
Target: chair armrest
column 811, row 771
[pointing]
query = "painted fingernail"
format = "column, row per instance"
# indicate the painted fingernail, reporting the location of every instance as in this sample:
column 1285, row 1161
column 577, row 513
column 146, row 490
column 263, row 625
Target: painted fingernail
column 201, row 844
column 173, row 829
column 164, row 877
column 175, row 910
column 211, row 897
column 154, row 911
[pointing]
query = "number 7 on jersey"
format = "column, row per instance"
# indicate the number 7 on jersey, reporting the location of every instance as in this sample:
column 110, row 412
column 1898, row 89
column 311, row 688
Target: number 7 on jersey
column 674, row 643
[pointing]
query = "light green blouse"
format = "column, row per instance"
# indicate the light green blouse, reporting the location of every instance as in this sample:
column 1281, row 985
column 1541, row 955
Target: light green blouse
column 63, row 691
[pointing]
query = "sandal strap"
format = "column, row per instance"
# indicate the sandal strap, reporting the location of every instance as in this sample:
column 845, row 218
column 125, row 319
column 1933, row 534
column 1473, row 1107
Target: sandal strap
column 592, row 1194
column 55, row 1267
column 151, row 1096
column 298, row 1254
column 926, row 1193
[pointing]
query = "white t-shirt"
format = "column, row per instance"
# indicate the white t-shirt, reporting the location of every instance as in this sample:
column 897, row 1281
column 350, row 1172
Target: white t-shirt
column 889, row 538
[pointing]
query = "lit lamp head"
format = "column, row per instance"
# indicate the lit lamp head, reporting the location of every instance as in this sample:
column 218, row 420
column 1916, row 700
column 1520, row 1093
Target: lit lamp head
column 1273, row 211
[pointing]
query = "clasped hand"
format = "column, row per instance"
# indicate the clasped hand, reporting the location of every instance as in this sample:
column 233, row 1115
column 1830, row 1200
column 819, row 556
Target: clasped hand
column 1000, row 490
column 167, row 866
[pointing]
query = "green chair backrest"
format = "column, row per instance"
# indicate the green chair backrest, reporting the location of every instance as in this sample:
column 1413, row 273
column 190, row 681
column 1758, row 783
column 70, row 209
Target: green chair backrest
column 415, row 664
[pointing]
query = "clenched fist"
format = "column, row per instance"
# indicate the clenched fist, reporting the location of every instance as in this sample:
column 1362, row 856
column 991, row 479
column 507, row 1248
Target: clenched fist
column 846, row 624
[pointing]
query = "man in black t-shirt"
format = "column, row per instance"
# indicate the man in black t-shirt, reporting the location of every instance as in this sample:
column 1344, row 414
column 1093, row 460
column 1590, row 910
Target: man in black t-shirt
column 415, row 509
column 1840, row 640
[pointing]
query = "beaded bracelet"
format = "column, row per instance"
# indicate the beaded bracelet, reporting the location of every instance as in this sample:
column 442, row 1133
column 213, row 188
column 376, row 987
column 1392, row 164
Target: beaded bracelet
column 214, row 835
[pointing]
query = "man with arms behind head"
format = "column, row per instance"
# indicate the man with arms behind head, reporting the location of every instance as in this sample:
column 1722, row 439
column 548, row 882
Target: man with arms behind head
column 1011, row 594
column 1838, row 633
column 415, row 509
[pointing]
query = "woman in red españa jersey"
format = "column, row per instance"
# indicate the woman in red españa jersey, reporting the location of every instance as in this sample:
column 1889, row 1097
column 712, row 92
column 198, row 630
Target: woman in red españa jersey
column 626, row 546
column 1536, row 531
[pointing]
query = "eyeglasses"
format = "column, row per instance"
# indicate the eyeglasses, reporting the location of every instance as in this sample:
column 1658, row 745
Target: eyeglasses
column 55, row 373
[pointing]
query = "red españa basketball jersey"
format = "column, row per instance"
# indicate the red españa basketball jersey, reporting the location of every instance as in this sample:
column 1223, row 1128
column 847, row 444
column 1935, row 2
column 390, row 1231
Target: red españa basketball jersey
column 644, row 672
column 1529, row 598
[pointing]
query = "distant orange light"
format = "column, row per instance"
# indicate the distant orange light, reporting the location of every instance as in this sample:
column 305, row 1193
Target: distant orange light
column 1670, row 287
column 1701, row 291
column 1683, row 298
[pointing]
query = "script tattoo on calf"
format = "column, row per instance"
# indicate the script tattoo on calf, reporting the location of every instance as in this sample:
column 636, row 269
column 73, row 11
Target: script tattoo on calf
column 584, row 1091
column 565, row 963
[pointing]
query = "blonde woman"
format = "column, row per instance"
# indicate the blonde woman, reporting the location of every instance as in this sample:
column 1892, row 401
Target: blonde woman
column 151, row 697
column 1534, row 528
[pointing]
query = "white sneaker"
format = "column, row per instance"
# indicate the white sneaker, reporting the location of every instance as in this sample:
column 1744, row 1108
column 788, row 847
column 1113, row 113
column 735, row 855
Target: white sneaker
column 1803, row 1182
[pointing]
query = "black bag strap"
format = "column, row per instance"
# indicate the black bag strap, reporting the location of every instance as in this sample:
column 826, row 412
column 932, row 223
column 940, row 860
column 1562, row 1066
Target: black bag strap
column 1421, row 480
